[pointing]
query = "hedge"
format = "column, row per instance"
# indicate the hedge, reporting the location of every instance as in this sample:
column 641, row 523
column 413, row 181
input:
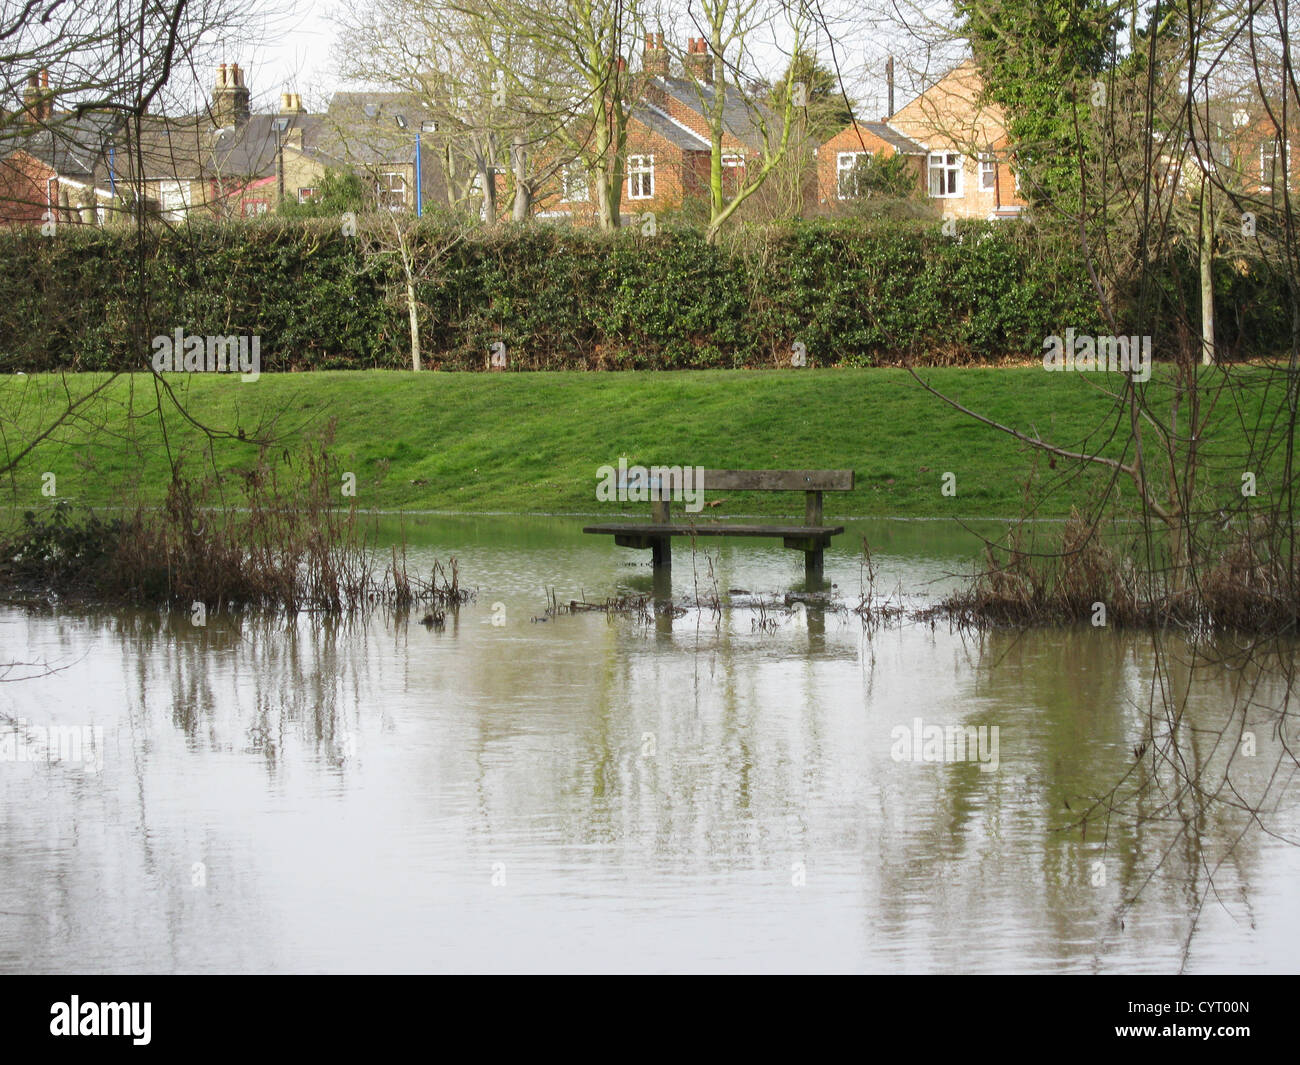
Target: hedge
column 558, row 297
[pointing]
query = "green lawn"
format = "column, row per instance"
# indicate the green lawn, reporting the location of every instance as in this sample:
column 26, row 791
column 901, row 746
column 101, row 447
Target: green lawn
column 533, row 442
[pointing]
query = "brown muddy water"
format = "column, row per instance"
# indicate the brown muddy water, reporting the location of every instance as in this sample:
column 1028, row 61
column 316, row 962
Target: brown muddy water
column 696, row 793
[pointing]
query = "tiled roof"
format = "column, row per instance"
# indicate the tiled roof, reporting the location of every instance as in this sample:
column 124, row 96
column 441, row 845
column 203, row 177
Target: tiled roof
column 69, row 144
column 900, row 142
column 668, row 127
column 740, row 115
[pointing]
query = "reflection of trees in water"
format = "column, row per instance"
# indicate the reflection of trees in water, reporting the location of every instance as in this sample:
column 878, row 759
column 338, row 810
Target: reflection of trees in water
column 633, row 699
column 1140, row 811
column 255, row 683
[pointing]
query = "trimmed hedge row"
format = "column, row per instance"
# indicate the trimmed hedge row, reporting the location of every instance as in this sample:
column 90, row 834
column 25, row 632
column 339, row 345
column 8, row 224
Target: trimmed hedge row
column 557, row 297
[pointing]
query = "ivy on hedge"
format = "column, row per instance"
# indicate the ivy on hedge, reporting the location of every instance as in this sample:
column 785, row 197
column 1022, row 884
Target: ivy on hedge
column 558, row 297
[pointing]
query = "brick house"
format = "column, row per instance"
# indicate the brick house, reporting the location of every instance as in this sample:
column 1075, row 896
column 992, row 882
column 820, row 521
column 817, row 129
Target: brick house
column 668, row 146
column 225, row 161
column 1260, row 151
column 839, row 158
column 968, row 171
column 52, row 164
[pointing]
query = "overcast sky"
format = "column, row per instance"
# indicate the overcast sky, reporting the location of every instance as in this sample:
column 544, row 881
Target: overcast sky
column 294, row 52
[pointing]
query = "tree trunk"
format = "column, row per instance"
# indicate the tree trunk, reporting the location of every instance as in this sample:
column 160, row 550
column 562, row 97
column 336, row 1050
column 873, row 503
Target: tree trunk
column 412, row 308
column 523, row 208
column 1207, row 273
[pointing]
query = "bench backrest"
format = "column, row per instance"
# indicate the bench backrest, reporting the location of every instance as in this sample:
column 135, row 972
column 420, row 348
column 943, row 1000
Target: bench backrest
column 663, row 481
column 778, row 480
column 753, row 480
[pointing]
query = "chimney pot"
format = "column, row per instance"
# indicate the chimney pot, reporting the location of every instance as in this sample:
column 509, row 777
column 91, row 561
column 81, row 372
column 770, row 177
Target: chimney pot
column 654, row 61
column 230, row 97
column 699, row 64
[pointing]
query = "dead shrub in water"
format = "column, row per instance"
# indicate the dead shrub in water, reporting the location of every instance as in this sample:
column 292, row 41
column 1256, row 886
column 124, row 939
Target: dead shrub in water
column 1238, row 582
column 279, row 542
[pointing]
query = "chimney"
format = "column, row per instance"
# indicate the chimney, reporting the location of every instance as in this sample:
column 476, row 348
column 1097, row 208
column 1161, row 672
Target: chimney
column 654, row 61
column 699, row 64
column 38, row 101
column 290, row 103
column 889, row 77
column 32, row 98
column 230, row 97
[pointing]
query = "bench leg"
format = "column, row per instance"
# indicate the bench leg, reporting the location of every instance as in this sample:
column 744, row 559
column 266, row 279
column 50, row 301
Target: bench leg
column 661, row 554
column 812, row 566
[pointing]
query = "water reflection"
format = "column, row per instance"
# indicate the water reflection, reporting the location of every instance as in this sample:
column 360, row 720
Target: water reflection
column 596, row 792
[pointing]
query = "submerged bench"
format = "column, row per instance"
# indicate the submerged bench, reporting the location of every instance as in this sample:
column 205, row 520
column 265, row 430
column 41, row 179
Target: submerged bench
column 811, row 537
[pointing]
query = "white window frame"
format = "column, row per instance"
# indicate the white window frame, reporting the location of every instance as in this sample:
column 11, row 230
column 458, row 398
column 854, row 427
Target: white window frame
column 575, row 186
column 951, row 163
column 988, row 172
column 1274, row 151
column 640, row 167
column 306, row 193
column 735, row 162
column 846, row 165
column 386, row 189
column 173, row 199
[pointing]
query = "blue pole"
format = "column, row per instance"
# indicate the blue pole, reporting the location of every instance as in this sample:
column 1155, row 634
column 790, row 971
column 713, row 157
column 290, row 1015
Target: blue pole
column 419, row 198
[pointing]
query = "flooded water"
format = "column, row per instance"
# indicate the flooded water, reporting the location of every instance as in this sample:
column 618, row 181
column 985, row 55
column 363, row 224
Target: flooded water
column 600, row 793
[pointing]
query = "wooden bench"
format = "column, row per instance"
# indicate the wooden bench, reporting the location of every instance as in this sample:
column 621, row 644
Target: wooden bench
column 811, row 537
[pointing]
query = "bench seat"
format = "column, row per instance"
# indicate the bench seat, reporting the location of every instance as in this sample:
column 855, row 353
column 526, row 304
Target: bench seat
column 644, row 532
column 812, row 537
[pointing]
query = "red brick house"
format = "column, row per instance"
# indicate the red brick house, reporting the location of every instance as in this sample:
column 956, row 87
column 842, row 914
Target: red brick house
column 839, row 158
column 53, row 163
column 1260, row 152
column 668, row 147
column 968, row 166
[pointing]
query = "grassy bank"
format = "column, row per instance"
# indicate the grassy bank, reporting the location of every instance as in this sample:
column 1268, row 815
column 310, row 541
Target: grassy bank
column 532, row 442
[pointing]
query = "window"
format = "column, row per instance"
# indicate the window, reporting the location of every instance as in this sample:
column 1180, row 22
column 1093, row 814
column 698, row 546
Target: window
column 640, row 177
column 945, row 174
column 733, row 173
column 848, row 172
column 174, row 199
column 255, row 208
column 1270, row 162
column 573, row 182
column 988, row 173
column 391, row 190
column 306, row 194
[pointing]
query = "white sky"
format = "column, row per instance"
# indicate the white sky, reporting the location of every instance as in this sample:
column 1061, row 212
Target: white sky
column 293, row 53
